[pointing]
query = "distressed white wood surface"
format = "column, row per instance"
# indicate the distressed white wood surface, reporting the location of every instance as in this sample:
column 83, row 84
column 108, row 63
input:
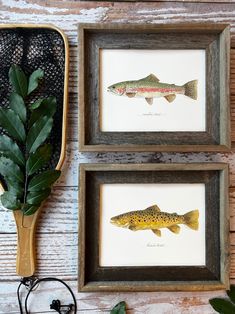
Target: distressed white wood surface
column 57, row 237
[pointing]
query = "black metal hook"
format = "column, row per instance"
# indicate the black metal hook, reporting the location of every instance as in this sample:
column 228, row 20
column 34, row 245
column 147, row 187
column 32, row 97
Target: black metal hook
column 56, row 305
column 28, row 282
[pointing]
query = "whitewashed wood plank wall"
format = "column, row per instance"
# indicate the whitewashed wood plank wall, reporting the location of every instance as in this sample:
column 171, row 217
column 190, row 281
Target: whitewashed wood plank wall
column 57, row 237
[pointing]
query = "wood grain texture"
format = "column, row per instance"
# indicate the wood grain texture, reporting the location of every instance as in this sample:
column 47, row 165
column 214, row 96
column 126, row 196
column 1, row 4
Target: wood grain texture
column 89, row 303
column 57, row 229
column 93, row 277
column 95, row 37
column 194, row 1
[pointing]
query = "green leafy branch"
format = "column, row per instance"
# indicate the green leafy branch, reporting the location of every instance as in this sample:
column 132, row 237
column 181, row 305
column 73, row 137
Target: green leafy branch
column 225, row 305
column 23, row 151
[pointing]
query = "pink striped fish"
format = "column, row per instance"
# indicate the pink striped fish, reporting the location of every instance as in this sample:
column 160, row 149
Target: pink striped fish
column 150, row 87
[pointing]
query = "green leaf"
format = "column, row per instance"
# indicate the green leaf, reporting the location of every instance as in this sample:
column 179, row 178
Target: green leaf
column 14, row 188
column 43, row 180
column 10, row 201
column 12, row 124
column 35, row 198
column 120, row 308
column 222, row 306
column 18, row 106
column 9, row 149
column 18, row 80
column 38, row 133
column 29, row 209
column 231, row 293
column 36, row 104
column 38, row 159
column 10, row 170
column 34, row 80
column 47, row 107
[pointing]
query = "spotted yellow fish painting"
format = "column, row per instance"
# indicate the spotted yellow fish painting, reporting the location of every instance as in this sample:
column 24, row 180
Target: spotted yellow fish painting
column 152, row 218
column 152, row 224
column 144, row 90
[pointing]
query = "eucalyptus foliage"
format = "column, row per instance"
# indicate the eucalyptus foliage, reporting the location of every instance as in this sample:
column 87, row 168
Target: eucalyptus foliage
column 225, row 305
column 23, row 151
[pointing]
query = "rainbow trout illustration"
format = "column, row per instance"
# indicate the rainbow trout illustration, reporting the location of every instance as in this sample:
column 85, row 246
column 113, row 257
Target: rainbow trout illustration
column 150, row 87
column 153, row 219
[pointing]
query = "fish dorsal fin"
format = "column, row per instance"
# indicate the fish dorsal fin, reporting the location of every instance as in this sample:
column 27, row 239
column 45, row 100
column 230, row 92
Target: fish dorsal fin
column 154, row 207
column 170, row 97
column 150, row 78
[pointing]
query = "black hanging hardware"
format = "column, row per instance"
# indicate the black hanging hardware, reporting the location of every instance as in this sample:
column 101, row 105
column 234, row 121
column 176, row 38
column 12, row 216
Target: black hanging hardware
column 31, row 284
column 28, row 281
column 56, row 305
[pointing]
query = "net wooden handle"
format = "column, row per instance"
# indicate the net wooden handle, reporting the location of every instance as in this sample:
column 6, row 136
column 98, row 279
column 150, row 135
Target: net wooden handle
column 25, row 259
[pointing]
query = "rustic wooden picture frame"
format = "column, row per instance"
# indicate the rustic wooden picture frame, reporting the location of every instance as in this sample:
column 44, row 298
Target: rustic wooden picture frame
column 214, row 38
column 215, row 275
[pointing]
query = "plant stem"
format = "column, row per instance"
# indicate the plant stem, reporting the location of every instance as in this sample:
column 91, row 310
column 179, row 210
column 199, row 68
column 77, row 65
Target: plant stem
column 26, row 154
column 25, row 186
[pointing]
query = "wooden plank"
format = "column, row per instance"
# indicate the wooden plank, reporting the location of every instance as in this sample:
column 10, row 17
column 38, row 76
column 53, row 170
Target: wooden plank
column 61, row 206
column 69, row 175
column 186, row 1
column 232, row 208
column 169, row 303
column 57, row 255
column 67, row 14
column 232, row 94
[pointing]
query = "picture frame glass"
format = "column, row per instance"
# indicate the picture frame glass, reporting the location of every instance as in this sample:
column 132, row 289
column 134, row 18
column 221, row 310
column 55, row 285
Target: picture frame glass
column 151, row 105
column 124, row 247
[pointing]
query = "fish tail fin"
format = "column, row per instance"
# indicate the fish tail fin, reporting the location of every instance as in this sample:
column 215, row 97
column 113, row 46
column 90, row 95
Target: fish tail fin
column 191, row 219
column 191, row 89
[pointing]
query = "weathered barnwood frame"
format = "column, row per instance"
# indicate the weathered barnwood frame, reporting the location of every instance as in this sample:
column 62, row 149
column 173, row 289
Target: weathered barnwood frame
column 214, row 275
column 214, row 38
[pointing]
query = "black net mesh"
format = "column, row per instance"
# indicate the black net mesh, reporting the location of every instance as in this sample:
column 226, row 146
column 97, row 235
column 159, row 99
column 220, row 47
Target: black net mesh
column 33, row 48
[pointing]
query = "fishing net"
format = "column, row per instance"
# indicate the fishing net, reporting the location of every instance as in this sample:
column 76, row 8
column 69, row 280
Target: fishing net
column 33, row 48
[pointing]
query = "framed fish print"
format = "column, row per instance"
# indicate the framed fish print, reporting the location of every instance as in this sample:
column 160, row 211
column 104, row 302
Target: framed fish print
column 154, row 87
column 152, row 227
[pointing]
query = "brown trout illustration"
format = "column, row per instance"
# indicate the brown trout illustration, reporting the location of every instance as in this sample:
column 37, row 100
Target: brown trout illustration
column 153, row 219
column 150, row 87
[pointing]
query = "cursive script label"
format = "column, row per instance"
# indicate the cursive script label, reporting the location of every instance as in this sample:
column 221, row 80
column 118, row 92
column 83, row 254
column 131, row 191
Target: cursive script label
column 152, row 114
column 154, row 244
